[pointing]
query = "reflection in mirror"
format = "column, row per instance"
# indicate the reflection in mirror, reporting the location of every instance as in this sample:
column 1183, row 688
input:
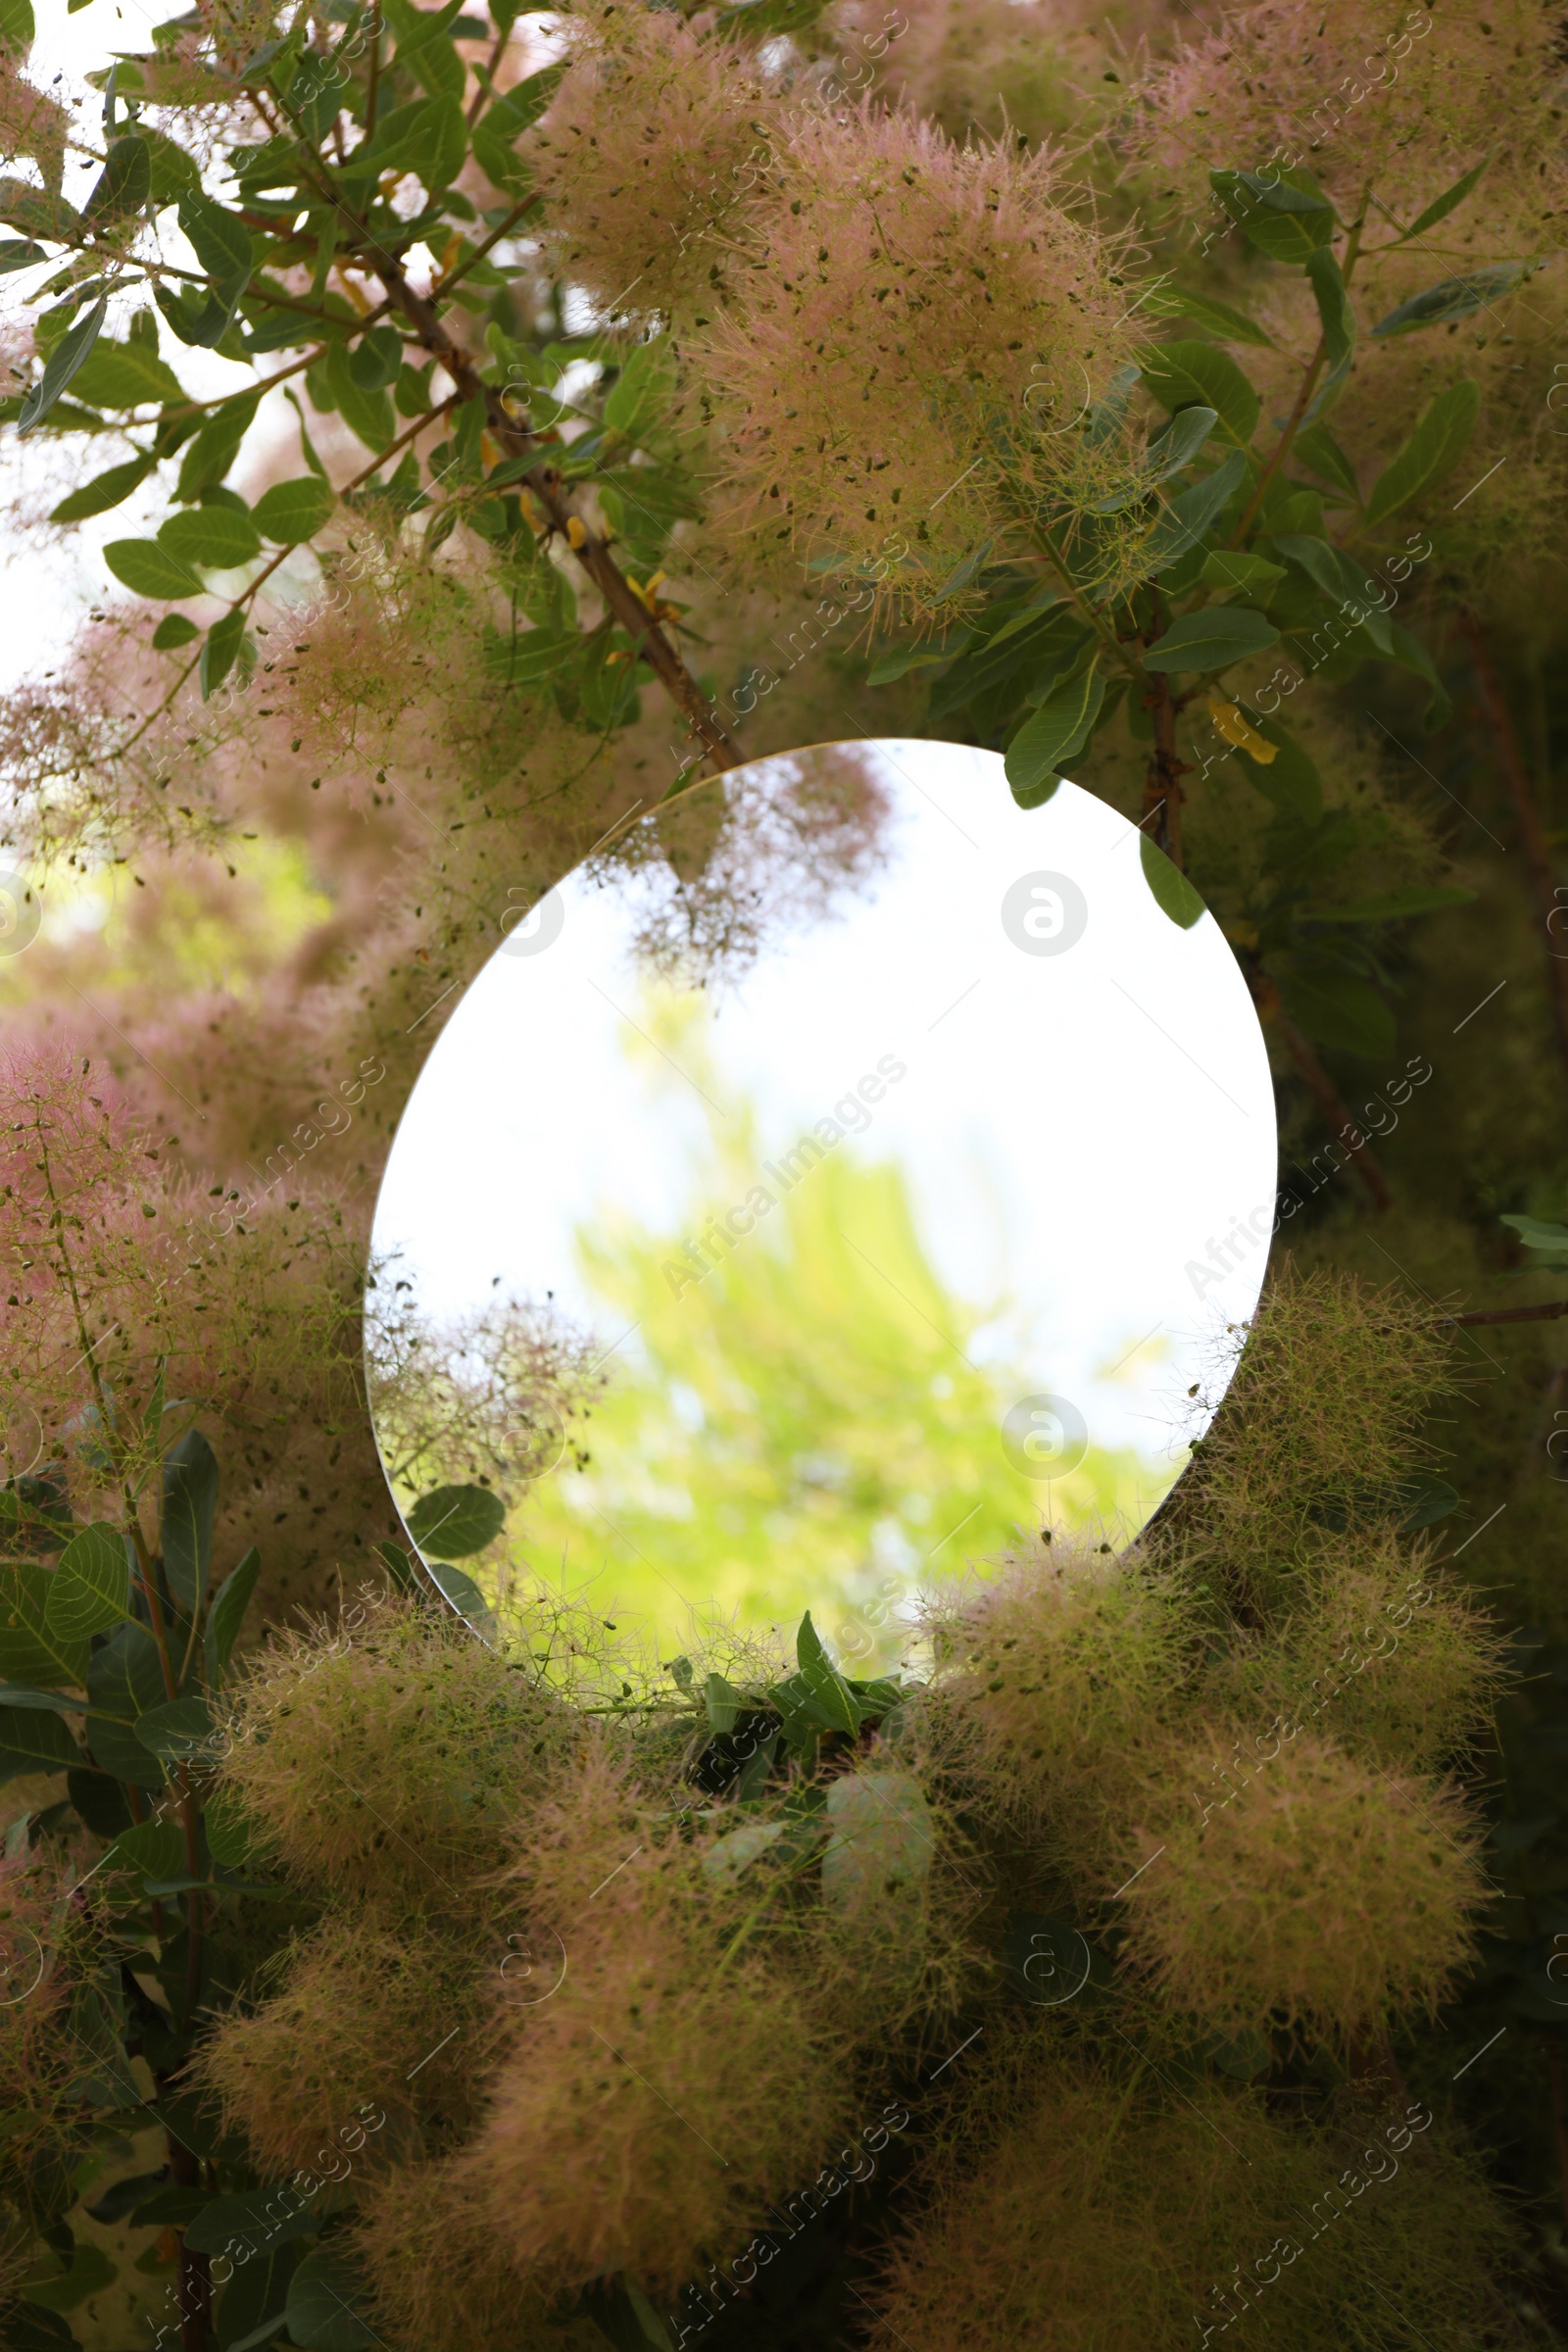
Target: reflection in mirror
column 860, row 1171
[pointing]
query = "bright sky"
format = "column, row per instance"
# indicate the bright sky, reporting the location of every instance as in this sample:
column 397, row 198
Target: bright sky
column 1077, row 1128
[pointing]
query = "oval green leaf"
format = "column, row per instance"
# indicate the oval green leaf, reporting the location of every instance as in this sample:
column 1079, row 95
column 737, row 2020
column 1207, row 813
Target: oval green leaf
column 1192, row 374
column 90, row 1590
column 104, row 491
column 1173, row 894
column 321, row 2293
column 1211, row 639
column 1437, row 444
column 217, row 537
column 452, row 1522
column 148, row 570
column 294, row 510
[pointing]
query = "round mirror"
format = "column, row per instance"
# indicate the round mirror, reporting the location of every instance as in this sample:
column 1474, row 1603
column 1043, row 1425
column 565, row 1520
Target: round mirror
column 855, row 1175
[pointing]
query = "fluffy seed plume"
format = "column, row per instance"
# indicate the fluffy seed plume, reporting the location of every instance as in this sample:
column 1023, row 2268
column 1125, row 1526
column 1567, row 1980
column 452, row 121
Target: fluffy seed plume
column 673, row 2083
column 931, row 316
column 650, row 161
column 392, row 1756
column 1321, row 1892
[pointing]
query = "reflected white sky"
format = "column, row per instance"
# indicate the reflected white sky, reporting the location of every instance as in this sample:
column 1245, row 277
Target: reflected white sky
column 1077, row 1130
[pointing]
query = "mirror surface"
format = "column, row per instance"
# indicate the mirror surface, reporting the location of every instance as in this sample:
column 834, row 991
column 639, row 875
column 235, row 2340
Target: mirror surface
column 800, row 1232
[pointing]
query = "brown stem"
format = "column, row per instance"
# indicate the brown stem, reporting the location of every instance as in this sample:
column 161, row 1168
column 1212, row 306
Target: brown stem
column 1323, row 1092
column 444, row 286
column 1512, row 1314
column 1526, row 816
column 1161, row 818
column 195, row 2272
column 485, row 77
column 1281, row 448
column 545, row 484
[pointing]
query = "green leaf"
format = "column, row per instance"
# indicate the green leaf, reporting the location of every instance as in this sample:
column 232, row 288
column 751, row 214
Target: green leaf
column 458, row 1591
column 1169, row 453
column 882, row 1838
column 1330, row 569
column 322, row 2295
column 723, row 1703
column 1318, row 450
column 1396, row 906
column 1199, row 374
column 252, row 2310
column 1333, row 305
column 20, row 253
column 1231, row 326
column 728, row 1856
column 830, row 1693
column 16, row 28
column 307, row 444
column 499, row 128
column 104, row 491
column 190, row 1498
column 428, row 138
column 30, row 1650
column 174, row 630
column 1290, row 780
column 148, row 570
column 1411, row 654
column 228, row 1832
column 244, row 2221
column 425, row 51
column 457, row 1521
column 376, row 359
column 1057, row 731
column 900, row 659
column 368, row 414
column 1211, row 639
column 91, row 2272
column 1549, row 1241
column 99, row 1800
column 1287, row 222
column 1189, row 515
column 38, row 212
column 48, row 1702
column 1173, row 894
column 1453, row 298
column 68, row 355
column 221, row 650
column 1336, row 1009
column 1224, row 569
column 216, row 447
column 291, row 511
column 1437, row 445
column 215, row 537
column 174, row 173
column 125, row 183
column 227, row 1614
column 127, row 375
column 1442, row 206
column 175, row 1731
column 223, row 246
column 623, row 2316
column 153, row 1849
column 91, row 1587
column 124, row 1680
column 34, row 1740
